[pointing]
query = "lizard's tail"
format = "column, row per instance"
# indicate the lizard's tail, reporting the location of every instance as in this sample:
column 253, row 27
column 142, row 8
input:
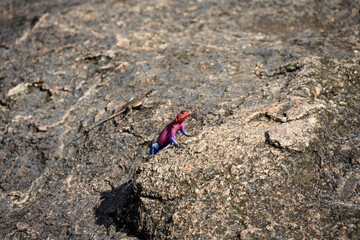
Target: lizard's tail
column 74, row 140
column 105, row 120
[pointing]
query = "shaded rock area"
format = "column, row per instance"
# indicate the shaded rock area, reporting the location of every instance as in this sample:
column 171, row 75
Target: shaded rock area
column 274, row 91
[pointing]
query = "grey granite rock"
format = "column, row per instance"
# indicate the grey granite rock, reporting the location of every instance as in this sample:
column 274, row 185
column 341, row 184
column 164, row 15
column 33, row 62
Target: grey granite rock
column 274, row 91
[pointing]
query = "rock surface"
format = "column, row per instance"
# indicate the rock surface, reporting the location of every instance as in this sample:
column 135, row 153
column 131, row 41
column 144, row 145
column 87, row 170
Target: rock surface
column 273, row 87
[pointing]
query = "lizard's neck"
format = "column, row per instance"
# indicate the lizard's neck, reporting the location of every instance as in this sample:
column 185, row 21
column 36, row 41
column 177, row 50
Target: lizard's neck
column 174, row 122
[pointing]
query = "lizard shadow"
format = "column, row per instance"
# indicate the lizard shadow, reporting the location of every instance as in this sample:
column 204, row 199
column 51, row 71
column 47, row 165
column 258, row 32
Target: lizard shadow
column 111, row 201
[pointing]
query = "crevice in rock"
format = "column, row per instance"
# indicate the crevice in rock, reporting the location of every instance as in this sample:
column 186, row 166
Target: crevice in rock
column 276, row 144
column 265, row 116
column 292, row 67
column 5, row 102
column 158, row 198
column 4, row 45
column 273, row 143
column 40, row 85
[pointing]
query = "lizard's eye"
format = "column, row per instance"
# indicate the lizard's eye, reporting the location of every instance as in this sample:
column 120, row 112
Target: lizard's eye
column 182, row 112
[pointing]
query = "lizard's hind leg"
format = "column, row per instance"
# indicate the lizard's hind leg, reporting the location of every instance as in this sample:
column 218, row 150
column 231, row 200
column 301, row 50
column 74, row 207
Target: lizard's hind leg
column 154, row 149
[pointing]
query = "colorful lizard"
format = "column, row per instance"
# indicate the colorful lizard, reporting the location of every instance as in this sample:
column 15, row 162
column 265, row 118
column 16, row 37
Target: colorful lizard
column 133, row 103
column 167, row 136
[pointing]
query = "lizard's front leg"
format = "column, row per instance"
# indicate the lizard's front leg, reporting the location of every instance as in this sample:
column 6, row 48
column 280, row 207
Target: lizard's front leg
column 173, row 141
column 185, row 133
column 128, row 112
column 182, row 129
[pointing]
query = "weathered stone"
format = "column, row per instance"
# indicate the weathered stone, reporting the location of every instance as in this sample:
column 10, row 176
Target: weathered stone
column 274, row 92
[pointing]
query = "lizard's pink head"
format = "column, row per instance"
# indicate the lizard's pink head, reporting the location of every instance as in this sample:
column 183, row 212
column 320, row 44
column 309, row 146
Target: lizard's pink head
column 182, row 116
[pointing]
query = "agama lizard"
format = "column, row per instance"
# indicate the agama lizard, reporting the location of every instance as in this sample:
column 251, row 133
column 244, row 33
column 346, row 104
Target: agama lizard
column 133, row 103
column 167, row 136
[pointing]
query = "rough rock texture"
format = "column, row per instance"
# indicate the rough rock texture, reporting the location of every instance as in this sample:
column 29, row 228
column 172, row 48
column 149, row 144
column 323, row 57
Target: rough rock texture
column 274, row 89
